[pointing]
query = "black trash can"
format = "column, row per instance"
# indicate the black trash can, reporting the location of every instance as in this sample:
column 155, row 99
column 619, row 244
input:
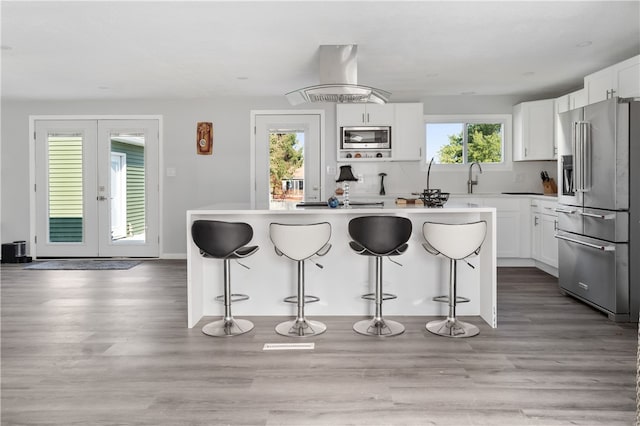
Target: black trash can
column 15, row 252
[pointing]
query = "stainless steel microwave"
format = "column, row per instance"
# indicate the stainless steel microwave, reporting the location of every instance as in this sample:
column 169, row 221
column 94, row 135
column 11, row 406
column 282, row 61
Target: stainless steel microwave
column 366, row 137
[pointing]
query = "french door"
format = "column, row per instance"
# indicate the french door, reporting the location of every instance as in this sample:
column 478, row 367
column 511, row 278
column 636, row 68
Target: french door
column 97, row 192
column 307, row 125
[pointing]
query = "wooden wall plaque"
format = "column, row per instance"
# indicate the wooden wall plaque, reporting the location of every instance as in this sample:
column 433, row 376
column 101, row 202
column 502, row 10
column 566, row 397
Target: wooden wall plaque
column 204, row 138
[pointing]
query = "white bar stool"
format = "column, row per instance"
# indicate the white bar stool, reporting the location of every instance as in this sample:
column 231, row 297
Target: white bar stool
column 300, row 243
column 226, row 241
column 379, row 236
column 456, row 242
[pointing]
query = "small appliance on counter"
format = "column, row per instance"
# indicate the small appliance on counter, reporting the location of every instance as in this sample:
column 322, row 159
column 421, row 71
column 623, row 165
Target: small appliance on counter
column 15, row 252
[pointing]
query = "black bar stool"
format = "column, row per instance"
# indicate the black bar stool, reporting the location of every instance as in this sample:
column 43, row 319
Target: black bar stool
column 300, row 243
column 456, row 242
column 226, row 241
column 379, row 236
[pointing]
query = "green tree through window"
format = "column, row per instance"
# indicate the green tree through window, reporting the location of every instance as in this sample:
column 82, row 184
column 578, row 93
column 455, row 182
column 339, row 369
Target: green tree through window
column 285, row 157
column 484, row 142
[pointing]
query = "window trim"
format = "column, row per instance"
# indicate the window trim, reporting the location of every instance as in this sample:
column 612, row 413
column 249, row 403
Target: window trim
column 505, row 119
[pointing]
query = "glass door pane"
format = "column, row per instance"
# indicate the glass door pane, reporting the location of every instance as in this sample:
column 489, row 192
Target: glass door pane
column 127, row 187
column 286, row 169
column 65, row 192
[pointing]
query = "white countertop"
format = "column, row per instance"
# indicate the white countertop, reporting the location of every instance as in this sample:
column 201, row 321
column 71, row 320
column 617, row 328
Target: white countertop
column 453, row 206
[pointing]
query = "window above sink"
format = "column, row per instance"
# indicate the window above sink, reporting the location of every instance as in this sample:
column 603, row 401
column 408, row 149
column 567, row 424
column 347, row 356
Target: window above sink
column 455, row 141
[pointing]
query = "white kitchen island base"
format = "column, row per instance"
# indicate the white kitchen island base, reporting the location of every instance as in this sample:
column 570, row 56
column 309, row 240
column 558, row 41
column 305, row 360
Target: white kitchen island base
column 346, row 276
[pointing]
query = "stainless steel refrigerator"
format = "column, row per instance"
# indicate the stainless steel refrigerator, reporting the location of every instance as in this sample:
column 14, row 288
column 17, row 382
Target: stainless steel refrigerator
column 599, row 206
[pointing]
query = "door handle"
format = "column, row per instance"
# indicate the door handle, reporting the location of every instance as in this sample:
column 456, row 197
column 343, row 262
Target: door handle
column 103, row 198
column 586, row 244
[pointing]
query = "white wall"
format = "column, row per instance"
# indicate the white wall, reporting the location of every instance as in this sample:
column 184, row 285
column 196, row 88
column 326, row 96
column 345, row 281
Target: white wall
column 202, row 180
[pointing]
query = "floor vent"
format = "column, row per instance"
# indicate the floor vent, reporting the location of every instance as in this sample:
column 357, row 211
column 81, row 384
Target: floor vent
column 288, row 346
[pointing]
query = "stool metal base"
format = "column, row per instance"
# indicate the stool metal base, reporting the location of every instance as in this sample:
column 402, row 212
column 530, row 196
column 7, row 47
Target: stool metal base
column 222, row 328
column 378, row 327
column 452, row 328
column 300, row 328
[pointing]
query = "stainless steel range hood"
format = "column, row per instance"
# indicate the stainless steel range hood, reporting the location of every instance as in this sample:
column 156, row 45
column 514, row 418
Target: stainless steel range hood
column 338, row 80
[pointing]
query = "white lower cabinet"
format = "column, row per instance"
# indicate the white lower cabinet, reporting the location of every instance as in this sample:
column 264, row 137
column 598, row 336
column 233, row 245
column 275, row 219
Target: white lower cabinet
column 544, row 222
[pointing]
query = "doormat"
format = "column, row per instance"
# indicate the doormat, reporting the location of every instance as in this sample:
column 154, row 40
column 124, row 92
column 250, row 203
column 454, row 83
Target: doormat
column 83, row 265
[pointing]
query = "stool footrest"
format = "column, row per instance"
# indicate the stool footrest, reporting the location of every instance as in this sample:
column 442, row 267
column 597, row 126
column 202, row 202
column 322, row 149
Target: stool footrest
column 385, row 296
column 307, row 299
column 234, row 297
column 445, row 299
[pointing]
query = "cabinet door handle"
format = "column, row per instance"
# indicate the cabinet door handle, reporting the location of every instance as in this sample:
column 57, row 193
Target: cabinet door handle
column 363, row 118
column 535, row 221
column 368, row 120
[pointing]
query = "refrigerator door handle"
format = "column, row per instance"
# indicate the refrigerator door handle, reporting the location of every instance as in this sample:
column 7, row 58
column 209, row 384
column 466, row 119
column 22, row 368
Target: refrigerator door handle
column 581, row 142
column 586, row 155
column 586, row 244
column 577, row 160
column 599, row 216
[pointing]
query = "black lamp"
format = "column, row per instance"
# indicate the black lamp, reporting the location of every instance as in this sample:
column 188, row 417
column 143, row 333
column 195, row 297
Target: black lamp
column 346, row 176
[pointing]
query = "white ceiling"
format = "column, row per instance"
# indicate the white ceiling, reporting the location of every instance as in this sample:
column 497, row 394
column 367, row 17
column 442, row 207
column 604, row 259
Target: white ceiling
column 133, row 50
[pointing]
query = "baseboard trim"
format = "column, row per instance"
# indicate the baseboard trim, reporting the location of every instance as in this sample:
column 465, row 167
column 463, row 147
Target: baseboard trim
column 173, row 256
column 517, row 262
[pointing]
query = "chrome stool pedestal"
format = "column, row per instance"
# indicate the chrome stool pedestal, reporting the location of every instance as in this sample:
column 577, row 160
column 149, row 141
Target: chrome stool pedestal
column 301, row 326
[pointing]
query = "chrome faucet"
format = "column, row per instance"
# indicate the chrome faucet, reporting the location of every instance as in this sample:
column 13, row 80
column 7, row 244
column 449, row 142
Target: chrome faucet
column 472, row 182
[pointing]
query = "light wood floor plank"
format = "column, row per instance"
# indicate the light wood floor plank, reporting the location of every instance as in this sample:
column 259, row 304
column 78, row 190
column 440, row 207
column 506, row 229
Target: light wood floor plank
column 112, row 347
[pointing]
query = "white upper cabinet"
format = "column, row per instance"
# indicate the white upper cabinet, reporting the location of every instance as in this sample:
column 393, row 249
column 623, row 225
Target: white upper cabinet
column 578, row 99
column 365, row 115
column 562, row 104
column 408, row 133
column 533, row 130
column 621, row 79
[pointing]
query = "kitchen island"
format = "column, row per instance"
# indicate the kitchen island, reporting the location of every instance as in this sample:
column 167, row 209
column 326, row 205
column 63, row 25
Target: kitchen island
column 346, row 275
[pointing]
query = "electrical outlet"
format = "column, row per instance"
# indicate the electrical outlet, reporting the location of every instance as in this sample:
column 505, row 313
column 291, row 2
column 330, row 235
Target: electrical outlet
column 331, row 170
column 519, row 178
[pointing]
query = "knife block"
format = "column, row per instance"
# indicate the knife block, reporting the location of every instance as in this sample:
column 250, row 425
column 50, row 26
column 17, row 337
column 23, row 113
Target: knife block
column 549, row 187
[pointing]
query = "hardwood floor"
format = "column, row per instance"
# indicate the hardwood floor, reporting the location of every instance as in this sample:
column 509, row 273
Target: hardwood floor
column 112, row 348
